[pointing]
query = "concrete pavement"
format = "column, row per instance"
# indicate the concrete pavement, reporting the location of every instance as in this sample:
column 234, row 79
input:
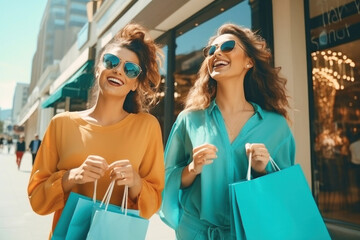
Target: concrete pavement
column 18, row 221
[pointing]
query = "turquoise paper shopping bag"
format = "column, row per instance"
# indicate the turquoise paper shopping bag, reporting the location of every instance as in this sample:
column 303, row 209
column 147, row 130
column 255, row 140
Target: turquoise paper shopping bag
column 110, row 225
column 74, row 222
column 277, row 206
column 62, row 225
column 83, row 214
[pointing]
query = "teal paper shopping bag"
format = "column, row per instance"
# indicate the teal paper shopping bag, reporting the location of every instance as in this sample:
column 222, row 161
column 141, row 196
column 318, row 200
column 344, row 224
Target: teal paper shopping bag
column 277, row 206
column 74, row 222
column 114, row 225
column 62, row 225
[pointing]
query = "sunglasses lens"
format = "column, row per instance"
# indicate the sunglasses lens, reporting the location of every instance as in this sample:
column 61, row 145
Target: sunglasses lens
column 227, row 46
column 132, row 70
column 110, row 61
column 212, row 50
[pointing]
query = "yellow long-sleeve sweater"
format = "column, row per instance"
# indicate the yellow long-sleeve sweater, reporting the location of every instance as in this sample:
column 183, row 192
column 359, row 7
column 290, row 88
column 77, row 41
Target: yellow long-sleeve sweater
column 69, row 140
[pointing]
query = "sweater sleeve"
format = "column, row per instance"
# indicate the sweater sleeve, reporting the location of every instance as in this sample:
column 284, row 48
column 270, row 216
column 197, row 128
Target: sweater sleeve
column 45, row 190
column 152, row 173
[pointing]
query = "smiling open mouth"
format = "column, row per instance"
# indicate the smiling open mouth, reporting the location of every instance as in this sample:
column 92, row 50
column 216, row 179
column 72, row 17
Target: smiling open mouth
column 115, row 81
column 220, row 64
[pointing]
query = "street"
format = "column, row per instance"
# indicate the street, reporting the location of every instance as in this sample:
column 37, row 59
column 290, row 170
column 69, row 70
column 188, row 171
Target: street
column 18, row 221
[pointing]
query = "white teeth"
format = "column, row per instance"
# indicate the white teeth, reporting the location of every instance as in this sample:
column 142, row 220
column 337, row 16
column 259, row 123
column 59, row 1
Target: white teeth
column 220, row 62
column 115, row 81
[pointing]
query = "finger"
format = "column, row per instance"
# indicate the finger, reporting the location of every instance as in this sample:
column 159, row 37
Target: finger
column 125, row 181
column 203, row 152
column 89, row 177
column 119, row 175
column 257, row 145
column 120, row 163
column 207, row 162
column 97, row 161
column 261, row 154
column 94, row 169
column 205, row 146
column 122, row 172
column 124, row 169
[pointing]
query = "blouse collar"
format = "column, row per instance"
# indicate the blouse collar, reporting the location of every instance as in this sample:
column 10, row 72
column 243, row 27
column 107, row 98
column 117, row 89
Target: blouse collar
column 257, row 108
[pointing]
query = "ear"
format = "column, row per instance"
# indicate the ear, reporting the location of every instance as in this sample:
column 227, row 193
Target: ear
column 250, row 64
column 135, row 86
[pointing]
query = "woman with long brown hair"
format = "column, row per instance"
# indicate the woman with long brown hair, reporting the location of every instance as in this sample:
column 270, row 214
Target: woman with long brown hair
column 116, row 139
column 238, row 98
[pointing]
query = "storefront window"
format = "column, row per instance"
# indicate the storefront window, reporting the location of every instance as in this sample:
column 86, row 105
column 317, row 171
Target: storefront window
column 189, row 54
column 158, row 110
column 335, row 53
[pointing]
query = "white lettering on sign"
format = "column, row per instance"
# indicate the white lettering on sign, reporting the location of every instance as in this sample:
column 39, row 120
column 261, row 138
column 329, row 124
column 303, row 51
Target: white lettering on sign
column 331, row 36
column 357, row 4
column 333, row 16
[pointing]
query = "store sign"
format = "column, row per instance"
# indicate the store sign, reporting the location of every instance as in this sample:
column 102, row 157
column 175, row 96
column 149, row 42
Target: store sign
column 337, row 25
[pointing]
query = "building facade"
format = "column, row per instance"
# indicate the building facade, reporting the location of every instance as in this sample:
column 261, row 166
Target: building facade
column 313, row 41
column 21, row 95
column 60, row 24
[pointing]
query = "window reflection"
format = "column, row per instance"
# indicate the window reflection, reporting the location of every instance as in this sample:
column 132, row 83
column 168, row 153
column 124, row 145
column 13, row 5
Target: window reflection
column 189, row 54
column 158, row 110
column 336, row 103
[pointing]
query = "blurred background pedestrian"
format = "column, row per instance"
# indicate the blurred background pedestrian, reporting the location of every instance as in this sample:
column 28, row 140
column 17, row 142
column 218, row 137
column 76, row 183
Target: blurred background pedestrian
column 20, row 149
column 34, row 147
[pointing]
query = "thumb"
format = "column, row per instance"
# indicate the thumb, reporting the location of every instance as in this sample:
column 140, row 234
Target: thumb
column 248, row 148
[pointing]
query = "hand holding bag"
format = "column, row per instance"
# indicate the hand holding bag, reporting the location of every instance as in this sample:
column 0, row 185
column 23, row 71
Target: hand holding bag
column 277, row 206
column 114, row 225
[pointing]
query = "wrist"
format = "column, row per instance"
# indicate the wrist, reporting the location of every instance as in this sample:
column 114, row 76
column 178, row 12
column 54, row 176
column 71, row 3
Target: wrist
column 192, row 170
column 135, row 190
column 68, row 181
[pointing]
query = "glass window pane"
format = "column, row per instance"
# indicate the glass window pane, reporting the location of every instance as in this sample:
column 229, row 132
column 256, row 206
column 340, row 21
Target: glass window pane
column 336, row 120
column 189, row 54
column 158, row 110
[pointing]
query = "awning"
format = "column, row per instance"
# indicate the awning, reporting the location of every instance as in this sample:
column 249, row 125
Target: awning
column 76, row 87
column 28, row 113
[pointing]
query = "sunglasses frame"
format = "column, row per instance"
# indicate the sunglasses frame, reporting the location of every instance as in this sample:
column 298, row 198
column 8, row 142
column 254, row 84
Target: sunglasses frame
column 125, row 65
column 206, row 50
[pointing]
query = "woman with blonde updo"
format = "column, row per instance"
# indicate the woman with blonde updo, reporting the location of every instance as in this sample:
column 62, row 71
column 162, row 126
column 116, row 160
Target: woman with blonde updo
column 115, row 139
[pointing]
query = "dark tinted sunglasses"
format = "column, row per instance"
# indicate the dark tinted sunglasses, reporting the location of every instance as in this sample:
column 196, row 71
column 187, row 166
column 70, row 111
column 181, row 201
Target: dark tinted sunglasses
column 224, row 47
column 132, row 70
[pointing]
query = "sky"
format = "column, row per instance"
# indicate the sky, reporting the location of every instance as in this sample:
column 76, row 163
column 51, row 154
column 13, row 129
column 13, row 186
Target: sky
column 19, row 28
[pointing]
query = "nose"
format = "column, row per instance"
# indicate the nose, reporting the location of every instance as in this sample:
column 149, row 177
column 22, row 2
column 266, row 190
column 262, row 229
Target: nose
column 118, row 68
column 217, row 50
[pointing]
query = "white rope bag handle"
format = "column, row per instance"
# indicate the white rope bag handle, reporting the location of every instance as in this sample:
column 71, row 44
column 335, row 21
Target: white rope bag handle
column 107, row 197
column 272, row 162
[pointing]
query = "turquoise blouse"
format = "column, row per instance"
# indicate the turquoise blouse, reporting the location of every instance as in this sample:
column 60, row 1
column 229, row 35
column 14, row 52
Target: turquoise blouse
column 208, row 197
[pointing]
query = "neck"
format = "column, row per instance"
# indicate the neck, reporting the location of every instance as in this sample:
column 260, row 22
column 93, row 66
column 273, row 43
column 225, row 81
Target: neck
column 231, row 97
column 108, row 111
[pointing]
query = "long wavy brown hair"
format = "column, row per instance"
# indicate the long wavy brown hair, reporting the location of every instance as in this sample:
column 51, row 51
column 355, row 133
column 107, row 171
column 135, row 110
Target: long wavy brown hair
column 262, row 83
column 136, row 38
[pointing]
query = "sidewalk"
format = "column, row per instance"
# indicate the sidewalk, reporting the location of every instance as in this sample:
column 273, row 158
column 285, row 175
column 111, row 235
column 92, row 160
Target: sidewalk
column 18, row 221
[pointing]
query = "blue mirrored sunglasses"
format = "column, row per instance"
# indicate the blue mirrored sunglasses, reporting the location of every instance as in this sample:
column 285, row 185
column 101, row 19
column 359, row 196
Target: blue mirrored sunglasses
column 131, row 70
column 224, row 47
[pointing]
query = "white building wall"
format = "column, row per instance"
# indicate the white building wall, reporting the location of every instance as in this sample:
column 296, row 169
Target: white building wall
column 290, row 54
column 20, row 98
